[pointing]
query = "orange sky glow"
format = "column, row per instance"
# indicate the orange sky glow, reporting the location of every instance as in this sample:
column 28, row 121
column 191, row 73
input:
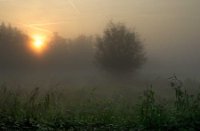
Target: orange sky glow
column 154, row 20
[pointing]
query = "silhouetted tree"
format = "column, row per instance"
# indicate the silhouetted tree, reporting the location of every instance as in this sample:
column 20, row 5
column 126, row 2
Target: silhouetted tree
column 119, row 50
column 81, row 51
column 69, row 54
column 57, row 51
column 14, row 50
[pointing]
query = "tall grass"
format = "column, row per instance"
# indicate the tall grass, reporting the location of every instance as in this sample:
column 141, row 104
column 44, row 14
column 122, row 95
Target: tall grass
column 33, row 110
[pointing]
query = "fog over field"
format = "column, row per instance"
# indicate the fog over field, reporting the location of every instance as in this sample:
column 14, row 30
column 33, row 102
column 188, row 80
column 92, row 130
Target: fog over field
column 100, row 65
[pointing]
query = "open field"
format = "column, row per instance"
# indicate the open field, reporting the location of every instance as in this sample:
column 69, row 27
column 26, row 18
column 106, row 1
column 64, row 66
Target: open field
column 83, row 109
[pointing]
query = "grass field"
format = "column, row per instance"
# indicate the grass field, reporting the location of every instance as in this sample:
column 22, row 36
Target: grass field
column 51, row 110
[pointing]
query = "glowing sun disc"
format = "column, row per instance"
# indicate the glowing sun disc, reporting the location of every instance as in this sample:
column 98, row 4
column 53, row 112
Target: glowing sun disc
column 38, row 43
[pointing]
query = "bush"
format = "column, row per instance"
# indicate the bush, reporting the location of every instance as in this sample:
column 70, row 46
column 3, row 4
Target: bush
column 119, row 50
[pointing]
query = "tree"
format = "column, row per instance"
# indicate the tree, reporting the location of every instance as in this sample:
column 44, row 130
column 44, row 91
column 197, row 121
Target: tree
column 119, row 50
column 14, row 49
column 57, row 48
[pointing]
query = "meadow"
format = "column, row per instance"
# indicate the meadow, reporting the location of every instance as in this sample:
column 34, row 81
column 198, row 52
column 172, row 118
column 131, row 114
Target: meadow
column 83, row 109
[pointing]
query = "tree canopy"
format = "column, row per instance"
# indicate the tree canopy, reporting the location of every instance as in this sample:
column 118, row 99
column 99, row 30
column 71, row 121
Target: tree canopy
column 119, row 50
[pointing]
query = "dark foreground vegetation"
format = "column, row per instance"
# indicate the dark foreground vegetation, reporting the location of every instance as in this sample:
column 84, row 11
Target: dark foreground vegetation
column 35, row 110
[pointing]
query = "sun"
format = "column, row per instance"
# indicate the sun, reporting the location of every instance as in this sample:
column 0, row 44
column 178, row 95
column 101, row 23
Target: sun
column 38, row 43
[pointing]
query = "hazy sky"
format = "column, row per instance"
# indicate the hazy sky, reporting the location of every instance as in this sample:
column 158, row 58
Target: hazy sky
column 169, row 28
column 73, row 17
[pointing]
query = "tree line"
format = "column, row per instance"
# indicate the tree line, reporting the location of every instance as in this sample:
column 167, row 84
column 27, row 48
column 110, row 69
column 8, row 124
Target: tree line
column 118, row 51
